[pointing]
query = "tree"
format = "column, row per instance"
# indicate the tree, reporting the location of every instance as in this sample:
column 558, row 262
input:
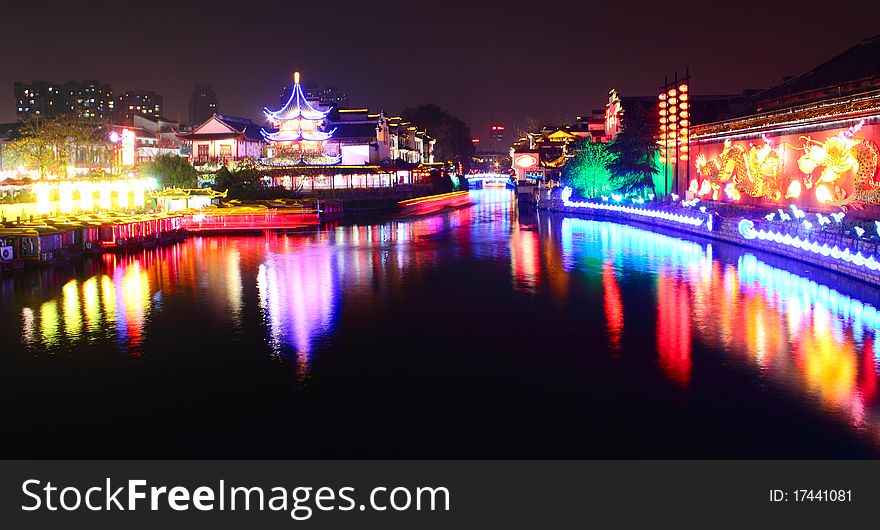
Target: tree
column 453, row 136
column 245, row 182
column 51, row 145
column 171, row 171
column 441, row 182
column 633, row 152
column 586, row 172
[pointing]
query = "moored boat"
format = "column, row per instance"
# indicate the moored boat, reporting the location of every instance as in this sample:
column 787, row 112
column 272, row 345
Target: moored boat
column 17, row 246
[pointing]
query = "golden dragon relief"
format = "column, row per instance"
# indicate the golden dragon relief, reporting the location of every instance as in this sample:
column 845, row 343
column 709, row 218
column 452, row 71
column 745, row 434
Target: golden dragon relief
column 825, row 167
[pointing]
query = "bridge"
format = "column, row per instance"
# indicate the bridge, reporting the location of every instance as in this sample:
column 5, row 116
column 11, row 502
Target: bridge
column 478, row 180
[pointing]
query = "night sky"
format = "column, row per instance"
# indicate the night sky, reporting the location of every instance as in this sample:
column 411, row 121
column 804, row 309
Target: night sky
column 484, row 61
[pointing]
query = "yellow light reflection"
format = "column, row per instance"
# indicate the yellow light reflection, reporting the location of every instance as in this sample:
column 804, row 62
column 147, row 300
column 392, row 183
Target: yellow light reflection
column 71, row 309
column 108, row 300
column 91, row 303
column 49, row 322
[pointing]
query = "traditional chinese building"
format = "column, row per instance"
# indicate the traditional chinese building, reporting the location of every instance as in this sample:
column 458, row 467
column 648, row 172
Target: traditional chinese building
column 317, row 147
column 223, row 139
column 155, row 136
column 360, row 137
column 300, row 135
column 540, row 155
column 409, row 143
column 310, row 146
column 813, row 141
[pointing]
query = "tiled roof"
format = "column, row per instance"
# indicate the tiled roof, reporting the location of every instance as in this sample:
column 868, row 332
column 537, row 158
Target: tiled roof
column 354, row 130
column 243, row 126
column 855, row 106
column 853, row 70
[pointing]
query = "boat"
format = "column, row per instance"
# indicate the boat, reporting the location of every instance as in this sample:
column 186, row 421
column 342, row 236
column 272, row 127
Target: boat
column 434, row 203
column 17, row 247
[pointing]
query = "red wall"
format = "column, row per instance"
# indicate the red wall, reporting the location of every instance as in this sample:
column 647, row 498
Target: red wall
column 788, row 148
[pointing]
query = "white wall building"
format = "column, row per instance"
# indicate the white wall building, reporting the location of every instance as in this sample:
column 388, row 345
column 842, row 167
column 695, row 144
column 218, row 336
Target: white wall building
column 223, row 139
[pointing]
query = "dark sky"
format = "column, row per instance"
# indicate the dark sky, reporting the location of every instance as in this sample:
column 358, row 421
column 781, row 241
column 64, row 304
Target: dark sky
column 484, row 61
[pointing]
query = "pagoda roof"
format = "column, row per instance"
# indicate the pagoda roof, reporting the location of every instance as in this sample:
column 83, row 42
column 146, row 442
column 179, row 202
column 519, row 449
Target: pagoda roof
column 297, row 106
column 295, row 136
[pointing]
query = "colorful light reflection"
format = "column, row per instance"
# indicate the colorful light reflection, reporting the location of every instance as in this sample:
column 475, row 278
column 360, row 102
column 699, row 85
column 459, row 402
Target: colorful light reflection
column 113, row 304
column 298, row 297
column 808, row 337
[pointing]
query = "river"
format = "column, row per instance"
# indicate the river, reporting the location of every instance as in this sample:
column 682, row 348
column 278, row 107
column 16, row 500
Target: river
column 481, row 332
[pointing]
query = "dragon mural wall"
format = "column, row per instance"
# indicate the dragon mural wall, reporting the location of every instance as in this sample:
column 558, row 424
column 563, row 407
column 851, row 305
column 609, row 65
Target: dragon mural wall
column 835, row 168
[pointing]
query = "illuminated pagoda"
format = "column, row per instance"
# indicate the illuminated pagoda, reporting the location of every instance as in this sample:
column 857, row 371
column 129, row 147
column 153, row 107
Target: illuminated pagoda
column 298, row 138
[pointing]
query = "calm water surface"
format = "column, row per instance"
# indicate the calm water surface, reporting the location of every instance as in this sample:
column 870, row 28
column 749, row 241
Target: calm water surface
column 483, row 332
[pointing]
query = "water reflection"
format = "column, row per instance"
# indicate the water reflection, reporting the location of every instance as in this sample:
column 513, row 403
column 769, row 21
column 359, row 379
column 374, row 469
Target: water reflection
column 117, row 294
column 680, row 311
column 115, row 301
column 674, row 327
column 525, row 264
column 298, row 293
column 806, row 336
column 613, row 304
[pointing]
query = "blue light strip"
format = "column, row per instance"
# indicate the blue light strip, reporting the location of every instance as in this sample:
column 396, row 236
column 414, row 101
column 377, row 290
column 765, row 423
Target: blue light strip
column 747, row 231
column 643, row 212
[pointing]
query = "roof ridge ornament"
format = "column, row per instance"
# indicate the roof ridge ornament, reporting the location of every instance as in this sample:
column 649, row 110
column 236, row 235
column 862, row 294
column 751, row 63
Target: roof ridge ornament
column 296, row 107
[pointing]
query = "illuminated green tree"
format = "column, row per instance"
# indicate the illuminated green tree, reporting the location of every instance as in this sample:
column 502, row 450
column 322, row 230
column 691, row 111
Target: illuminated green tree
column 634, row 162
column 586, row 172
column 171, row 171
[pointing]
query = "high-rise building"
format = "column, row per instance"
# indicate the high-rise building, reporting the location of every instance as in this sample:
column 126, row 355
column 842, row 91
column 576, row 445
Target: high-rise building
column 87, row 99
column 130, row 103
column 91, row 100
column 328, row 96
column 496, row 132
column 202, row 104
column 39, row 98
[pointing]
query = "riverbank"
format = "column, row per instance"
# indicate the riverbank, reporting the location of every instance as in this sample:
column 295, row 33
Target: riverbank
column 820, row 243
column 55, row 241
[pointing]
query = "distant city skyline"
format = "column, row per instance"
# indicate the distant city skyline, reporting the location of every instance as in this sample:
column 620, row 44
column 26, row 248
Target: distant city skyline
column 446, row 56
